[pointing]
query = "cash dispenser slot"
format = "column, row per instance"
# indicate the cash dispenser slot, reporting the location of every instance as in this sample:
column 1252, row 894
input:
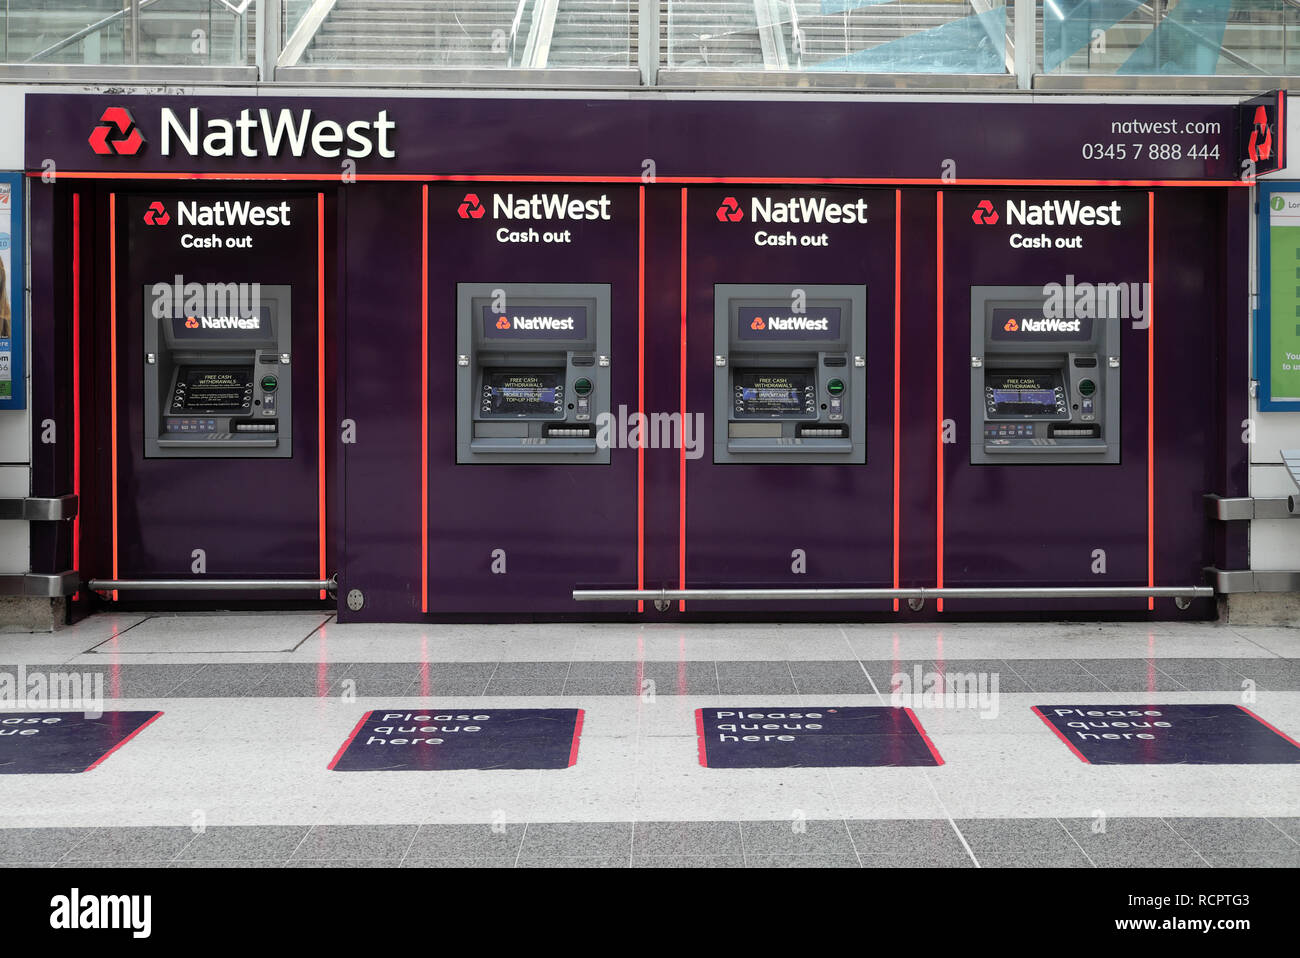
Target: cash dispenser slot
column 1044, row 388
column 789, row 383
column 532, row 373
column 208, row 390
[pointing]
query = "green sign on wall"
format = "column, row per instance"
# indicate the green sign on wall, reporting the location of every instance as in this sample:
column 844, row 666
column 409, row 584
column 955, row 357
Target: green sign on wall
column 1283, row 353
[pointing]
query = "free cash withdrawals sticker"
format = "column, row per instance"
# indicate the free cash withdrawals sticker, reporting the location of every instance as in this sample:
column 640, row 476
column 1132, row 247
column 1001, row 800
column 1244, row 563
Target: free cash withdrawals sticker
column 53, row 743
column 812, row 737
column 450, row 739
column 1169, row 735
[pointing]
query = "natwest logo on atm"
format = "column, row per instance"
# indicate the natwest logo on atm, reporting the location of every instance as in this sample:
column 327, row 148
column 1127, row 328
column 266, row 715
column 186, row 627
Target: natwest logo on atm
column 1062, row 213
column 231, row 213
column 548, row 206
column 807, row 209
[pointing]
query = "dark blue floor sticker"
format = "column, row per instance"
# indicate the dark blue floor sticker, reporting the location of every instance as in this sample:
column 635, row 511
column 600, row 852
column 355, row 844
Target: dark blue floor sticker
column 54, row 743
column 401, row 740
column 780, row 737
column 1169, row 735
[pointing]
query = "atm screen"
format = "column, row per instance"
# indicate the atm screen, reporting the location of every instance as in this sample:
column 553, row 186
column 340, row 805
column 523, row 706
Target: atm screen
column 775, row 393
column 1023, row 393
column 214, row 388
column 519, row 392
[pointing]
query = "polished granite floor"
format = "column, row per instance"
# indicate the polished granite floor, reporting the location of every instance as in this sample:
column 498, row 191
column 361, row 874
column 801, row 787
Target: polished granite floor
column 255, row 707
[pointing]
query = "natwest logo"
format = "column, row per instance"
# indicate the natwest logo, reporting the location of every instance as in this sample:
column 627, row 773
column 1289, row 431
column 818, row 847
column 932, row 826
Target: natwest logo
column 156, row 214
column 226, row 322
column 808, row 209
column 790, row 324
column 471, row 209
column 540, row 322
column 985, row 214
column 798, row 323
column 730, row 211
column 191, row 322
column 1062, row 213
column 548, row 206
column 503, row 323
column 1043, row 326
column 116, row 134
column 230, row 213
column 269, row 133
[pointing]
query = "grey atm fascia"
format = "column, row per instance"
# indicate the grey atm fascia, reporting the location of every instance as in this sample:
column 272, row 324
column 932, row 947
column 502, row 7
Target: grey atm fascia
column 1045, row 439
column 264, row 429
column 534, row 439
column 779, row 439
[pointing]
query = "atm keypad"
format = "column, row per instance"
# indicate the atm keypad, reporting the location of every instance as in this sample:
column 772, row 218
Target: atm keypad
column 1009, row 430
column 191, row 425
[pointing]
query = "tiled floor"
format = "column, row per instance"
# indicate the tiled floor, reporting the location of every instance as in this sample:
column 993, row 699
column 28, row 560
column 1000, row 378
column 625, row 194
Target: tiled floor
column 235, row 773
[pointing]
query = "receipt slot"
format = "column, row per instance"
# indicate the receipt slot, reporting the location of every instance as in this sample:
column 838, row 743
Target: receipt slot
column 1045, row 388
column 219, row 384
column 532, row 376
column 790, row 379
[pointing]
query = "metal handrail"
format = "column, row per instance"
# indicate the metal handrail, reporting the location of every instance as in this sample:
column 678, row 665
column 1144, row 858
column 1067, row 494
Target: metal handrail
column 210, row 585
column 88, row 30
column 918, row 593
column 132, row 9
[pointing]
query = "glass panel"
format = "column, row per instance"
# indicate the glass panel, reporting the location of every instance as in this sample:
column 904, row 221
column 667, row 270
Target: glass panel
column 853, row 36
column 1169, row 37
column 593, row 33
column 33, row 26
column 171, row 32
column 197, row 33
column 291, row 12
column 466, row 34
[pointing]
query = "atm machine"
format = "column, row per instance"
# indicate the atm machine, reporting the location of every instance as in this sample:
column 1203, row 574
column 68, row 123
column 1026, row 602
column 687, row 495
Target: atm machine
column 218, row 384
column 1044, row 388
column 532, row 373
column 790, row 378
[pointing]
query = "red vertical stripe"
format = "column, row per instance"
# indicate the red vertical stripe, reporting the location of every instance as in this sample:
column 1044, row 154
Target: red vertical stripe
column 898, row 360
column 938, row 380
column 681, row 461
column 1281, row 128
column 1151, row 397
column 424, row 399
column 112, row 370
column 640, row 395
column 320, row 381
column 76, row 381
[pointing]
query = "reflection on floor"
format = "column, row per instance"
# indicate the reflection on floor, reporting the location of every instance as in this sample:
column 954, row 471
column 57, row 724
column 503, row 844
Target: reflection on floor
column 256, row 707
